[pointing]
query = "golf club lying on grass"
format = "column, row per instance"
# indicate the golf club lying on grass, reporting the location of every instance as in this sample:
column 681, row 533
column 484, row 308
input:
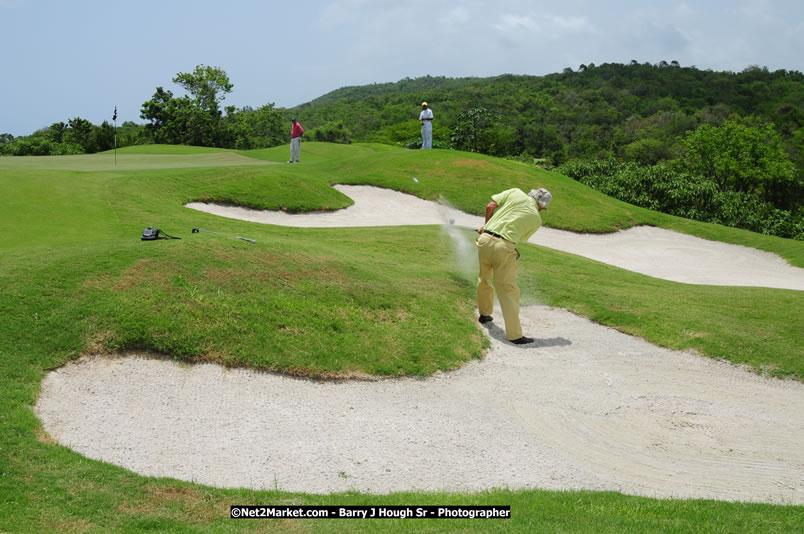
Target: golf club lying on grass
column 196, row 230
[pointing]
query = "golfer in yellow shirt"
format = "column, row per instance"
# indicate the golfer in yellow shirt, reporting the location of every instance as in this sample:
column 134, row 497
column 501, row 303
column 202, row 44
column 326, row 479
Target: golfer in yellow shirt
column 511, row 217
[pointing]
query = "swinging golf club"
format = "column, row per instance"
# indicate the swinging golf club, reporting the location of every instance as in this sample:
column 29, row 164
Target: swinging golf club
column 196, row 230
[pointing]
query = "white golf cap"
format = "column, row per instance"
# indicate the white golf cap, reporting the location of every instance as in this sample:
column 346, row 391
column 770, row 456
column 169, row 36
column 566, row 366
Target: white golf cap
column 542, row 197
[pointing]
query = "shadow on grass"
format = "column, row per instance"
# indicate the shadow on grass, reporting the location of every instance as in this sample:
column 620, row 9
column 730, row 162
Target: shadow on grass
column 462, row 281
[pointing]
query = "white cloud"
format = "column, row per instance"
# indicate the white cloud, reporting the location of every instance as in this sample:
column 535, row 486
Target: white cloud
column 684, row 10
column 570, row 24
column 550, row 26
column 314, row 47
column 454, row 19
column 758, row 11
column 341, row 12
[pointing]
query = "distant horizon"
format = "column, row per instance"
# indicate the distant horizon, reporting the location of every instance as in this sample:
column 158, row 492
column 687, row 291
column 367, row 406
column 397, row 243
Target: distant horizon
column 81, row 59
column 178, row 91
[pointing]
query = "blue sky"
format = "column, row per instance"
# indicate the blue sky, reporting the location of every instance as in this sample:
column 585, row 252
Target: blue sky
column 70, row 58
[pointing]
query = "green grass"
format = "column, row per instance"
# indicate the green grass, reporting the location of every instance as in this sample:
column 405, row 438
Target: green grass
column 135, row 158
column 319, row 302
column 758, row 327
column 468, row 180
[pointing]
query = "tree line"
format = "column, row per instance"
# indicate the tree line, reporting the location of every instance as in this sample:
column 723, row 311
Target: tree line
column 196, row 118
column 635, row 111
column 740, row 132
column 721, row 147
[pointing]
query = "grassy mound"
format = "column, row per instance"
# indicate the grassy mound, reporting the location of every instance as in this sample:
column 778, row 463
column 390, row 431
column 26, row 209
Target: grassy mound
column 316, row 302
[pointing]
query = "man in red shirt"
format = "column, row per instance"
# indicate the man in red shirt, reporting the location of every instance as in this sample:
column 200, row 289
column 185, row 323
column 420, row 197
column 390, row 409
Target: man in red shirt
column 295, row 140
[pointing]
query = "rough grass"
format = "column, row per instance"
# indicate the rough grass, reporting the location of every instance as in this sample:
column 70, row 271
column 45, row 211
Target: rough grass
column 76, row 277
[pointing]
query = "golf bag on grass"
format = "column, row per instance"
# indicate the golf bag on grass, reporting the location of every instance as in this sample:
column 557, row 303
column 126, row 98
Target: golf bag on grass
column 151, row 234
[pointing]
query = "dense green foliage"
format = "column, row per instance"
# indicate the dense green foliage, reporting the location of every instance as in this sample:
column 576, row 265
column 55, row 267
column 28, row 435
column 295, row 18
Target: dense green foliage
column 477, row 130
column 595, row 112
column 76, row 136
column 736, row 174
column 741, row 132
column 199, row 120
column 744, row 132
column 743, row 158
column 194, row 119
column 661, row 188
column 636, row 111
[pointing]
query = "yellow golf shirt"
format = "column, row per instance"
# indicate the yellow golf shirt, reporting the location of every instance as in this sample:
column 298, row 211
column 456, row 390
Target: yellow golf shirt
column 516, row 217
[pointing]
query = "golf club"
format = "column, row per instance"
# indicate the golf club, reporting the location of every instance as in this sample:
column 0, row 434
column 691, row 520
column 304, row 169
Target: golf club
column 196, row 230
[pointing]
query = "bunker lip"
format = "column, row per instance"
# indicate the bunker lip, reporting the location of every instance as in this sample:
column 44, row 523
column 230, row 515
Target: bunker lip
column 647, row 250
column 584, row 407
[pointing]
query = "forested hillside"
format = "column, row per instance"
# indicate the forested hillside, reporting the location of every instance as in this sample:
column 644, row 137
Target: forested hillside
column 721, row 147
column 635, row 111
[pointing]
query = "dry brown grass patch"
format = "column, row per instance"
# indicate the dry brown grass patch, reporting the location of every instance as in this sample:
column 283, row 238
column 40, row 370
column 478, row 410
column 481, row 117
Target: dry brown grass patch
column 137, row 273
column 71, row 525
column 97, row 343
column 471, row 163
column 178, row 502
column 43, row 437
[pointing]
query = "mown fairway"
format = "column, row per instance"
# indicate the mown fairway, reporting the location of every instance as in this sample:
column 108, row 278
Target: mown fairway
column 318, row 302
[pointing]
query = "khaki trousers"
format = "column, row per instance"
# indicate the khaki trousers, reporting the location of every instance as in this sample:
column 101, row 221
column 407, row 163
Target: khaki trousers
column 497, row 258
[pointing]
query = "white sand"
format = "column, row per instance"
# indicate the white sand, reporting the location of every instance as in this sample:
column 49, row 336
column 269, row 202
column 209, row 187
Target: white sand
column 652, row 251
column 583, row 407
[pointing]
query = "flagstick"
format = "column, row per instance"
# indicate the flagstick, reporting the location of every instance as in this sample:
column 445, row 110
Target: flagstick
column 115, row 135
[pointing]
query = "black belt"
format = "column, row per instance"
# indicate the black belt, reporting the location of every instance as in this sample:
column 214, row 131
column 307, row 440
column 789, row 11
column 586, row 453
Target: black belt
column 492, row 233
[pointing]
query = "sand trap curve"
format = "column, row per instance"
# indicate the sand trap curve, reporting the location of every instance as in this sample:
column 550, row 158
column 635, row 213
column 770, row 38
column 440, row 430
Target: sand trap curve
column 584, row 407
column 652, row 251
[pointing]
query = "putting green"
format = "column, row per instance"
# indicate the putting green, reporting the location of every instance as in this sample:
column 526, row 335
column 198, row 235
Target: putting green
column 127, row 162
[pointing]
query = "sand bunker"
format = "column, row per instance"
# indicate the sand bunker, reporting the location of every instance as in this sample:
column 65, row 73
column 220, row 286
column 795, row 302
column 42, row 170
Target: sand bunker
column 652, row 251
column 583, row 407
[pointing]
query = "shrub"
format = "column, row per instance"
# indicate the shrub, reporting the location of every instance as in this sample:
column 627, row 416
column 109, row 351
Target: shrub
column 660, row 188
column 332, row 132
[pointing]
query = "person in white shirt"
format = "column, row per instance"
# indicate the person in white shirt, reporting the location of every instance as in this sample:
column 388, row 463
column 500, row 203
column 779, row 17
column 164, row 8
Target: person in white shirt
column 426, row 118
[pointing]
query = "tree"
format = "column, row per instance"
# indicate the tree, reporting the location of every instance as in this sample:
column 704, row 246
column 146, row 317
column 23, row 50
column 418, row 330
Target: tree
column 249, row 128
column 167, row 124
column 471, row 131
column 104, row 136
column 332, row 132
column 192, row 121
column 56, row 132
column 208, row 85
column 542, row 142
column 646, row 151
column 80, row 131
column 743, row 157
